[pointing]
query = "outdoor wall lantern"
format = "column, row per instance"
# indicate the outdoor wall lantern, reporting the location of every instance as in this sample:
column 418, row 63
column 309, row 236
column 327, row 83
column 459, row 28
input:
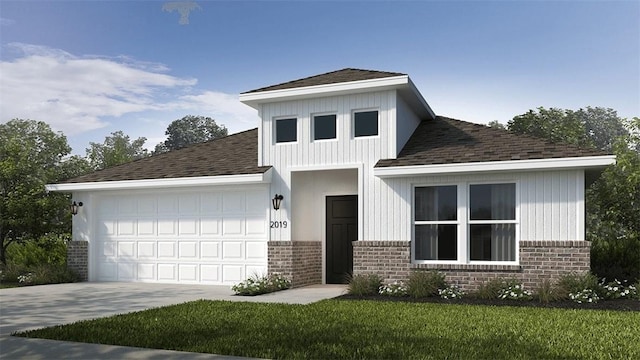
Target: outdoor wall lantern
column 276, row 201
column 74, row 207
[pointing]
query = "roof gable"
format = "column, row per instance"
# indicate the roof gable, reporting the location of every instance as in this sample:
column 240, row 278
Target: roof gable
column 235, row 154
column 333, row 77
column 449, row 141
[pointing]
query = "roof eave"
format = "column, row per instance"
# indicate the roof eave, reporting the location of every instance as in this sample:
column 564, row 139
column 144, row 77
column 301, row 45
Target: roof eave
column 254, row 99
column 243, row 179
column 588, row 162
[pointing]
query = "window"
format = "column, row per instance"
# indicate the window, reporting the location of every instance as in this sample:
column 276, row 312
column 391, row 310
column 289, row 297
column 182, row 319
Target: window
column 324, row 127
column 286, row 130
column 486, row 233
column 436, row 229
column 492, row 228
column 365, row 123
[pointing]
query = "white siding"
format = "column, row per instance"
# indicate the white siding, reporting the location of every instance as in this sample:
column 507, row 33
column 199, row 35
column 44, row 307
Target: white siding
column 407, row 122
column 550, row 204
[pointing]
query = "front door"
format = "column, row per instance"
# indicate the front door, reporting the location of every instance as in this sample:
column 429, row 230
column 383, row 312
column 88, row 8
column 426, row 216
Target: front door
column 342, row 229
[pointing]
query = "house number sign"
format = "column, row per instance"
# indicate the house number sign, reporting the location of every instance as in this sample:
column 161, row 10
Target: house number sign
column 279, row 224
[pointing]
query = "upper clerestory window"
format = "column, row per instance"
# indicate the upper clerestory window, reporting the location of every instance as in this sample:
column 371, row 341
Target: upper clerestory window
column 365, row 123
column 324, row 127
column 286, row 130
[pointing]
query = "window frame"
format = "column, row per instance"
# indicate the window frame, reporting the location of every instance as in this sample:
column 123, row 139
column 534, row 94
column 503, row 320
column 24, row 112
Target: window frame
column 464, row 223
column 313, row 126
column 353, row 123
column 415, row 223
column 275, row 129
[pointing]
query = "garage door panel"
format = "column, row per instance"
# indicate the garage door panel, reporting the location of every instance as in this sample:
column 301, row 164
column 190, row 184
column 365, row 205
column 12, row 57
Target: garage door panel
column 256, row 250
column 210, row 250
column 166, row 249
column 213, row 237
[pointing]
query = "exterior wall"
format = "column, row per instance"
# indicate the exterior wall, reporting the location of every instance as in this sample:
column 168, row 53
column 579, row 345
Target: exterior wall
column 539, row 260
column 345, row 151
column 299, row 261
column 406, row 123
column 550, row 204
column 78, row 258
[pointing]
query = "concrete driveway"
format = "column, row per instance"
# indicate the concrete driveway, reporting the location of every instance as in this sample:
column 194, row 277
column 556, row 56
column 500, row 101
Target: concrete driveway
column 34, row 307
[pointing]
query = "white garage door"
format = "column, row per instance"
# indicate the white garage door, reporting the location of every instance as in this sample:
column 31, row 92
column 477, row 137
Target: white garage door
column 211, row 236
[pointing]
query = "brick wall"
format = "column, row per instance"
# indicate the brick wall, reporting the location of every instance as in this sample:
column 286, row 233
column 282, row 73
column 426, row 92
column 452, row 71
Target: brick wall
column 539, row 260
column 300, row 261
column 78, row 258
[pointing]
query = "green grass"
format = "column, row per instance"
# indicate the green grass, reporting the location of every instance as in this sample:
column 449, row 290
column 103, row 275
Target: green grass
column 340, row 329
column 8, row 285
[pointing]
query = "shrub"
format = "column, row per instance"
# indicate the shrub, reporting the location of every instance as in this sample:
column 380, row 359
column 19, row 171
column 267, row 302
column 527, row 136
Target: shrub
column 47, row 249
column 451, row 292
column 364, row 284
column 261, row 284
column 576, row 283
column 513, row 290
column 38, row 274
column 584, row 296
column 425, row 283
column 394, row 289
column 547, row 292
column 490, row 289
column 618, row 290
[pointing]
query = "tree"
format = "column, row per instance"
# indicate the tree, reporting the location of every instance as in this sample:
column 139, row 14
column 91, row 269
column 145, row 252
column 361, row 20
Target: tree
column 31, row 155
column 591, row 127
column 496, row 124
column 190, row 130
column 117, row 149
column 615, row 215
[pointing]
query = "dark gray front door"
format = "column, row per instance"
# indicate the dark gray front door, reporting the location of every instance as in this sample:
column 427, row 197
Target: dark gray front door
column 342, row 229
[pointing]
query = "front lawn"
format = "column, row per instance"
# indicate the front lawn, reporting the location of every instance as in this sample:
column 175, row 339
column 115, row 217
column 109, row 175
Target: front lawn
column 339, row 329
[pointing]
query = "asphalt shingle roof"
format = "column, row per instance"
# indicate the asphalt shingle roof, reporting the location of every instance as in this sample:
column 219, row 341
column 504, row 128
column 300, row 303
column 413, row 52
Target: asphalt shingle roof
column 235, row 154
column 449, row 141
column 334, row 77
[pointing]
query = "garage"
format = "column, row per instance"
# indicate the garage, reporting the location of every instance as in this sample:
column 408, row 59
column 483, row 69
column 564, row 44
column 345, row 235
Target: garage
column 215, row 235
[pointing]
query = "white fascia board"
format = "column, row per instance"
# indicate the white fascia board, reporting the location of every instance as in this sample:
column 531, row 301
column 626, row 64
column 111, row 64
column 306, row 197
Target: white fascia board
column 511, row 165
column 326, row 167
column 255, row 98
column 263, row 178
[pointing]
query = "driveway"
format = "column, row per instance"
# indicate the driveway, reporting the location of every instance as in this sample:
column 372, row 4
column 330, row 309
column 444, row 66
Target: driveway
column 34, row 307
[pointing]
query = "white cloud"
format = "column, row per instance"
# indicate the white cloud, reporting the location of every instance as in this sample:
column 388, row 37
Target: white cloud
column 76, row 94
column 6, row 22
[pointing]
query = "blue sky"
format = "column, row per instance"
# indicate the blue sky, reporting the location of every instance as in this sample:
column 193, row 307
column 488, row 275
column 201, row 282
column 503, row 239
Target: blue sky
column 89, row 68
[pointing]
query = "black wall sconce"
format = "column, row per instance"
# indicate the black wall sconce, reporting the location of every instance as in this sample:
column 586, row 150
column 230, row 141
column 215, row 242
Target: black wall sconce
column 74, row 207
column 276, row 201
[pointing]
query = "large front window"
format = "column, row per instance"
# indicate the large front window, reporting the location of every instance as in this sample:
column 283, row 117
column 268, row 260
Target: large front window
column 465, row 223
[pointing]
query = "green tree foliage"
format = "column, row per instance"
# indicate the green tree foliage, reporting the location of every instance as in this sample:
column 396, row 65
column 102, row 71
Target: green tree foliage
column 615, row 215
column 496, row 124
column 31, row 155
column 115, row 150
column 591, row 127
column 190, row 130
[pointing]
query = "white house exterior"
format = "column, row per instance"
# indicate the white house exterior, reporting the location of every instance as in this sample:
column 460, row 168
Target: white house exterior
column 372, row 181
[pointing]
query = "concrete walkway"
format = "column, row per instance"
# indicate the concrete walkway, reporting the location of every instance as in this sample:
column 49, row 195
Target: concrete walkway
column 34, row 307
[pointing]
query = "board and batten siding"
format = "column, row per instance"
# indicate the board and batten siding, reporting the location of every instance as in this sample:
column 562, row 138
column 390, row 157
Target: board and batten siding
column 550, row 204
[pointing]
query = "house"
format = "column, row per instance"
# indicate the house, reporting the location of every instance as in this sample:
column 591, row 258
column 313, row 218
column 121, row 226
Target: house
column 348, row 172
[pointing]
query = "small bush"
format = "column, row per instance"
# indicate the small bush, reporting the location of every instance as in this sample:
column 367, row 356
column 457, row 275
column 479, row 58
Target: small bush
column 364, row 284
column 547, row 292
column 617, row 289
column 394, row 289
column 47, row 249
column 425, row 283
column 261, row 284
column 584, row 296
column 513, row 290
column 490, row 289
column 576, row 283
column 38, row 274
column 451, row 292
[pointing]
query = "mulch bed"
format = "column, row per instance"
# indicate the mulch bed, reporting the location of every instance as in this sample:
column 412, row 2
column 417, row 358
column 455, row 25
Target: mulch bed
column 618, row 304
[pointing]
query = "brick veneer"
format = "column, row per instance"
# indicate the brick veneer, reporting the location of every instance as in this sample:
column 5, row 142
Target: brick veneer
column 539, row 260
column 300, row 261
column 78, row 258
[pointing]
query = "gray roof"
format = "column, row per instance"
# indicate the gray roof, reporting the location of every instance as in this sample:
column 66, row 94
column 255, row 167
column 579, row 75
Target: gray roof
column 235, row 154
column 334, row 77
column 449, row 141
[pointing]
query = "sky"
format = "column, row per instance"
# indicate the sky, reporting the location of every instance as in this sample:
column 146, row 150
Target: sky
column 90, row 68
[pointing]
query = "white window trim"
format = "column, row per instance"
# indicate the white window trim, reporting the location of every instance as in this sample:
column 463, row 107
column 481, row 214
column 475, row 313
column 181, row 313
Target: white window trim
column 353, row 123
column 464, row 221
column 275, row 129
column 313, row 126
